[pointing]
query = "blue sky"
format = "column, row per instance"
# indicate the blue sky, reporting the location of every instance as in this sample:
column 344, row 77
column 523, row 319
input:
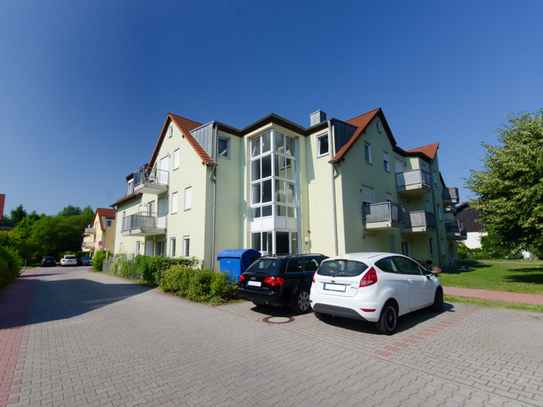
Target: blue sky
column 85, row 86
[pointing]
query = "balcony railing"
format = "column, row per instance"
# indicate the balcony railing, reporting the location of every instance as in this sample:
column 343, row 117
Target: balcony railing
column 455, row 229
column 144, row 224
column 87, row 245
column 420, row 220
column 450, row 196
column 415, row 182
column 89, row 231
column 383, row 215
column 153, row 181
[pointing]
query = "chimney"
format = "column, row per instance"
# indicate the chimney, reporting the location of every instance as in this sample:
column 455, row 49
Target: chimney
column 315, row 118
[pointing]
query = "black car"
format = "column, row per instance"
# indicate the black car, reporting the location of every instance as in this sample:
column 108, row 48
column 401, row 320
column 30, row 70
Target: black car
column 281, row 280
column 84, row 261
column 48, row 261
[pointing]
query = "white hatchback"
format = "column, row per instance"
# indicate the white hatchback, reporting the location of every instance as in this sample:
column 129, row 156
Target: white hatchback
column 374, row 287
column 68, row 260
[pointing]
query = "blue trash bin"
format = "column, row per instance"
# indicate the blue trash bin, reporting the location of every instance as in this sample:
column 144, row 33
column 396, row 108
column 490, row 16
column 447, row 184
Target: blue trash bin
column 235, row 262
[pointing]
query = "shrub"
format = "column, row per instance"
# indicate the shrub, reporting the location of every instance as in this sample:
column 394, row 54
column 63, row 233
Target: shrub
column 198, row 285
column 152, row 267
column 10, row 264
column 98, row 260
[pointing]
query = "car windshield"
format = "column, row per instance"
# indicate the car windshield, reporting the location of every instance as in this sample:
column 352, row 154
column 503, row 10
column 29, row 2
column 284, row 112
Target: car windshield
column 341, row 268
column 268, row 266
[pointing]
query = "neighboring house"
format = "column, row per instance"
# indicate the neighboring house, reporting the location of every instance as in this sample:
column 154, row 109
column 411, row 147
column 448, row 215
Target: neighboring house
column 470, row 219
column 100, row 234
column 278, row 187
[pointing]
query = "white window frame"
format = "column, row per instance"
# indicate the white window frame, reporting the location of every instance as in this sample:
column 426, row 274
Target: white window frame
column 367, row 152
column 188, row 198
column 174, row 202
column 319, row 144
column 186, row 246
column 130, row 186
column 432, row 247
column 176, row 159
column 377, row 127
column 386, row 161
column 368, row 195
column 138, row 247
column 171, row 131
column 173, row 247
column 227, row 139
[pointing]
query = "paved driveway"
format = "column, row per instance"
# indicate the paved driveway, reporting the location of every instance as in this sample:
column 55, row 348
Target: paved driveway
column 94, row 339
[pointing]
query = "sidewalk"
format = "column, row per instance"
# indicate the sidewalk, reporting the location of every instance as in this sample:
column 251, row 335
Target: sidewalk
column 494, row 295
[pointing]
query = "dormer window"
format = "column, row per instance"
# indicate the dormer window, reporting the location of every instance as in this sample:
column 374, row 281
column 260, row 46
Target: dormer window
column 130, row 186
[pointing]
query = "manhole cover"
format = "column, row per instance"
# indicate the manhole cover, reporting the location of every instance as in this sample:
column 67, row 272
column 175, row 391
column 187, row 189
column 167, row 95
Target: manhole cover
column 278, row 320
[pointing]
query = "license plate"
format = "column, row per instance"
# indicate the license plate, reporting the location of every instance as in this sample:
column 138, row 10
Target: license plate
column 334, row 287
column 254, row 283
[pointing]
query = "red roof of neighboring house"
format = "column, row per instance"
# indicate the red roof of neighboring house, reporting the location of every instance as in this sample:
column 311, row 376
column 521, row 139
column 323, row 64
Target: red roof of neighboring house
column 104, row 212
column 430, row 150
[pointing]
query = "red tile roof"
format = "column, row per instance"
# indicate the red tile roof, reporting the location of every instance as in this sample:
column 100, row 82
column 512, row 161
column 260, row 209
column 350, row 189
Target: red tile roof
column 429, row 150
column 361, row 122
column 108, row 213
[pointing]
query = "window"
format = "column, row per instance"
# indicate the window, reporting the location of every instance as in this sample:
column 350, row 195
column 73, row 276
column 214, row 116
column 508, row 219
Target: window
column 377, row 126
column 174, row 202
column 176, row 159
column 171, row 131
column 322, row 145
column 130, row 187
column 439, row 212
column 188, row 198
column 159, row 248
column 186, row 246
column 431, row 247
column 367, row 195
column 436, row 179
column 385, row 162
column 224, row 147
column 405, row 249
column 172, row 247
column 108, row 224
column 389, row 197
column 367, row 152
column 138, row 247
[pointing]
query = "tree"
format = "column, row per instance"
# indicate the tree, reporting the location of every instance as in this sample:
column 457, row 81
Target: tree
column 70, row 210
column 18, row 214
column 509, row 188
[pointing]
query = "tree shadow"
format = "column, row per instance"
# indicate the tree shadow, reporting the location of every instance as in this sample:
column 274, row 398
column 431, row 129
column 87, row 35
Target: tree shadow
column 532, row 278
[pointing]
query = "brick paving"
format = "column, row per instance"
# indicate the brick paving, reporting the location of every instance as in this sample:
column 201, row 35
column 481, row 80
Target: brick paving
column 95, row 339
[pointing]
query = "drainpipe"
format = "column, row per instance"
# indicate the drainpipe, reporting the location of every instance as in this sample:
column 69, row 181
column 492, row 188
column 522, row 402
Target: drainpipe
column 437, row 217
column 213, row 178
column 333, row 175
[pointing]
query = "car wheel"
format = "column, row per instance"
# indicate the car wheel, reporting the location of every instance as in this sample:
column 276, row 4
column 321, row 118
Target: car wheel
column 322, row 317
column 301, row 303
column 388, row 319
column 438, row 300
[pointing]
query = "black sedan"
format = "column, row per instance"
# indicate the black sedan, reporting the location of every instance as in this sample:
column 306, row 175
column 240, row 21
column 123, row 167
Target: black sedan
column 48, row 261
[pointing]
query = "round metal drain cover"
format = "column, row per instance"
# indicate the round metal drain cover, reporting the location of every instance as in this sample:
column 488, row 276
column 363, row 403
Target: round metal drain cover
column 278, row 320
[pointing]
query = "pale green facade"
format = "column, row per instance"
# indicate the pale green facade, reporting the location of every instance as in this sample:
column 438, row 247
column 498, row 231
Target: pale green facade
column 281, row 188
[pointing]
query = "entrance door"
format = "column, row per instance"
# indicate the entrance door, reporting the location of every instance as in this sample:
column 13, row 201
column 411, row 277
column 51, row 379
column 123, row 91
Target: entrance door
column 148, row 247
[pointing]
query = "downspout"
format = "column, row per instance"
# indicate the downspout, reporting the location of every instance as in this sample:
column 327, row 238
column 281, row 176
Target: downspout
column 213, row 178
column 437, row 217
column 333, row 172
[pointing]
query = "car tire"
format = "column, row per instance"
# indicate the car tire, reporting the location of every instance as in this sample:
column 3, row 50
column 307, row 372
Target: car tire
column 322, row 317
column 388, row 320
column 437, row 306
column 300, row 303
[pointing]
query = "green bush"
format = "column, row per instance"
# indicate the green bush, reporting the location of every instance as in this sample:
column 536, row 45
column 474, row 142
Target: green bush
column 10, row 264
column 152, row 267
column 198, row 285
column 98, row 260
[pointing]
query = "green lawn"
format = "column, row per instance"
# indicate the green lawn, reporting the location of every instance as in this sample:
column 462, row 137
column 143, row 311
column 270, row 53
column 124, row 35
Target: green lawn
column 525, row 277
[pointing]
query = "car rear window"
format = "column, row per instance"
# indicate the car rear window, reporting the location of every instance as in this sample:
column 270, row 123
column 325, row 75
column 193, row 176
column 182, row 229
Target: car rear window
column 342, row 268
column 268, row 266
column 70, row 257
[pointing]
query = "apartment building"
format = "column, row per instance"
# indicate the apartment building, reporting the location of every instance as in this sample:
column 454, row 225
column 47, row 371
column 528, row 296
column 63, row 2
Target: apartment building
column 100, row 234
column 278, row 187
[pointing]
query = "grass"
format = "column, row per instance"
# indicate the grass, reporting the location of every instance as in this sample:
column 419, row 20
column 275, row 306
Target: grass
column 514, row 277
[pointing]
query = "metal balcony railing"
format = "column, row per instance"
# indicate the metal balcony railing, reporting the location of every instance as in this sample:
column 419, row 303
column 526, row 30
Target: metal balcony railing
column 155, row 176
column 455, row 227
column 420, row 219
column 143, row 221
column 90, row 231
column 414, row 177
column 87, row 245
column 450, row 195
column 383, row 212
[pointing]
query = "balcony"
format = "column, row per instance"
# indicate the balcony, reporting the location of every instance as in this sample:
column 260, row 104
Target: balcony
column 455, row 230
column 152, row 182
column 383, row 216
column 419, row 222
column 450, row 196
column 86, row 246
column 142, row 224
column 450, row 209
column 89, row 232
column 413, row 183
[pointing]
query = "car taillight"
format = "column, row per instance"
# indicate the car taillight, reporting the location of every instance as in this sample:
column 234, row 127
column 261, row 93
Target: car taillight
column 241, row 278
column 369, row 278
column 314, row 274
column 274, row 281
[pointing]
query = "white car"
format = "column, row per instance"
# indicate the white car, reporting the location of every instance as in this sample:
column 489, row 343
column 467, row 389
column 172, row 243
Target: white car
column 374, row 287
column 68, row 260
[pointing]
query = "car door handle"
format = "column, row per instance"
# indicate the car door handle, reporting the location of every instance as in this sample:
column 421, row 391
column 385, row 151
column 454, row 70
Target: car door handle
column 410, row 280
